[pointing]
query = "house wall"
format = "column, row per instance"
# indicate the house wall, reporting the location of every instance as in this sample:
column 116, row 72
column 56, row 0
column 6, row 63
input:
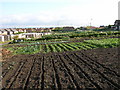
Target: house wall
column 4, row 38
column 21, row 36
column 4, row 33
column 29, row 36
column 9, row 32
column 0, row 32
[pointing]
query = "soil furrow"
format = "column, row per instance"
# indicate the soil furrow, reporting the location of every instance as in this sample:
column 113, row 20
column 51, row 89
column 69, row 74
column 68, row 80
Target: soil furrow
column 28, row 75
column 94, row 76
column 84, row 69
column 9, row 68
column 35, row 77
column 84, row 74
column 97, row 63
column 15, row 76
column 20, row 79
column 108, row 80
column 57, row 79
column 69, row 72
column 49, row 78
column 42, row 74
column 65, row 79
column 108, row 73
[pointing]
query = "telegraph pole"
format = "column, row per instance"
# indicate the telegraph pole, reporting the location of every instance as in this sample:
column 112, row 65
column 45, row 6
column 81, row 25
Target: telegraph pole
column 91, row 22
column 119, row 10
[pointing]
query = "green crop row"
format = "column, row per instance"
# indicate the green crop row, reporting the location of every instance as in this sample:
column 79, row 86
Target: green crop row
column 111, row 42
column 59, row 47
column 26, row 50
column 67, row 36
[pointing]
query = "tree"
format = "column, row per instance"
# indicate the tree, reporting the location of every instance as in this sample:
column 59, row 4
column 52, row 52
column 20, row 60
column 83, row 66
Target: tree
column 109, row 26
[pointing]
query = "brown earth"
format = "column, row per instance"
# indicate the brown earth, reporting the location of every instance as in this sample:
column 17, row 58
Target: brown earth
column 86, row 69
column 5, row 54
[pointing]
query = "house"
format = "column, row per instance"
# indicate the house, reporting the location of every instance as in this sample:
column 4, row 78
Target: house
column 9, row 32
column 4, row 38
column 30, row 35
column 24, row 30
column 68, row 29
column 47, row 30
column 117, row 25
column 0, row 32
column 14, row 30
column 21, row 30
column 38, row 30
column 3, row 32
column 47, row 33
column 29, row 30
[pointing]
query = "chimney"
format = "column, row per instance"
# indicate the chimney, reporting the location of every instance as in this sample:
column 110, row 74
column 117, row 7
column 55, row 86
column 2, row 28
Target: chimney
column 119, row 10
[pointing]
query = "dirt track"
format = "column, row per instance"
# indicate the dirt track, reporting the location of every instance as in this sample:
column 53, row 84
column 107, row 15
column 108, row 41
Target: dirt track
column 77, row 69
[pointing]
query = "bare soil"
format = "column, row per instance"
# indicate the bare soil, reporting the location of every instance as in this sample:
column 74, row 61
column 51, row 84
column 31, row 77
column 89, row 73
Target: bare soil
column 86, row 69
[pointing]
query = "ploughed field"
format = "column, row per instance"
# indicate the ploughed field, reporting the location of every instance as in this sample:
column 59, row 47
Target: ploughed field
column 86, row 69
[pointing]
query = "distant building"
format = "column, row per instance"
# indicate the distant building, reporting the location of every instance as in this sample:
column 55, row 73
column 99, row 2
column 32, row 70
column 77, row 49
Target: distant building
column 21, row 30
column 9, row 32
column 32, row 35
column 68, row 29
column 30, row 30
column 3, row 32
column 28, row 33
column 4, row 38
column 117, row 22
column 38, row 30
column 117, row 25
column 14, row 30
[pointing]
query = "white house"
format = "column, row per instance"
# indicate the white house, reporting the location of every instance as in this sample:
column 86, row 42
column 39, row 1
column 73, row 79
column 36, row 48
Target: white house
column 9, row 32
column 32, row 35
column 4, row 38
column 3, row 32
column 14, row 30
column 0, row 32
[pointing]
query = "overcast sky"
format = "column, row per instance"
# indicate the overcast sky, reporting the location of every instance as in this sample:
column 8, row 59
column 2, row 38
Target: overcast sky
column 43, row 13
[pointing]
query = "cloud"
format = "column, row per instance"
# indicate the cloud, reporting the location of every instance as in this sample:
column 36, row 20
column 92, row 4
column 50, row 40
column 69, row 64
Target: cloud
column 48, row 1
column 100, row 12
column 32, row 19
column 70, row 15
